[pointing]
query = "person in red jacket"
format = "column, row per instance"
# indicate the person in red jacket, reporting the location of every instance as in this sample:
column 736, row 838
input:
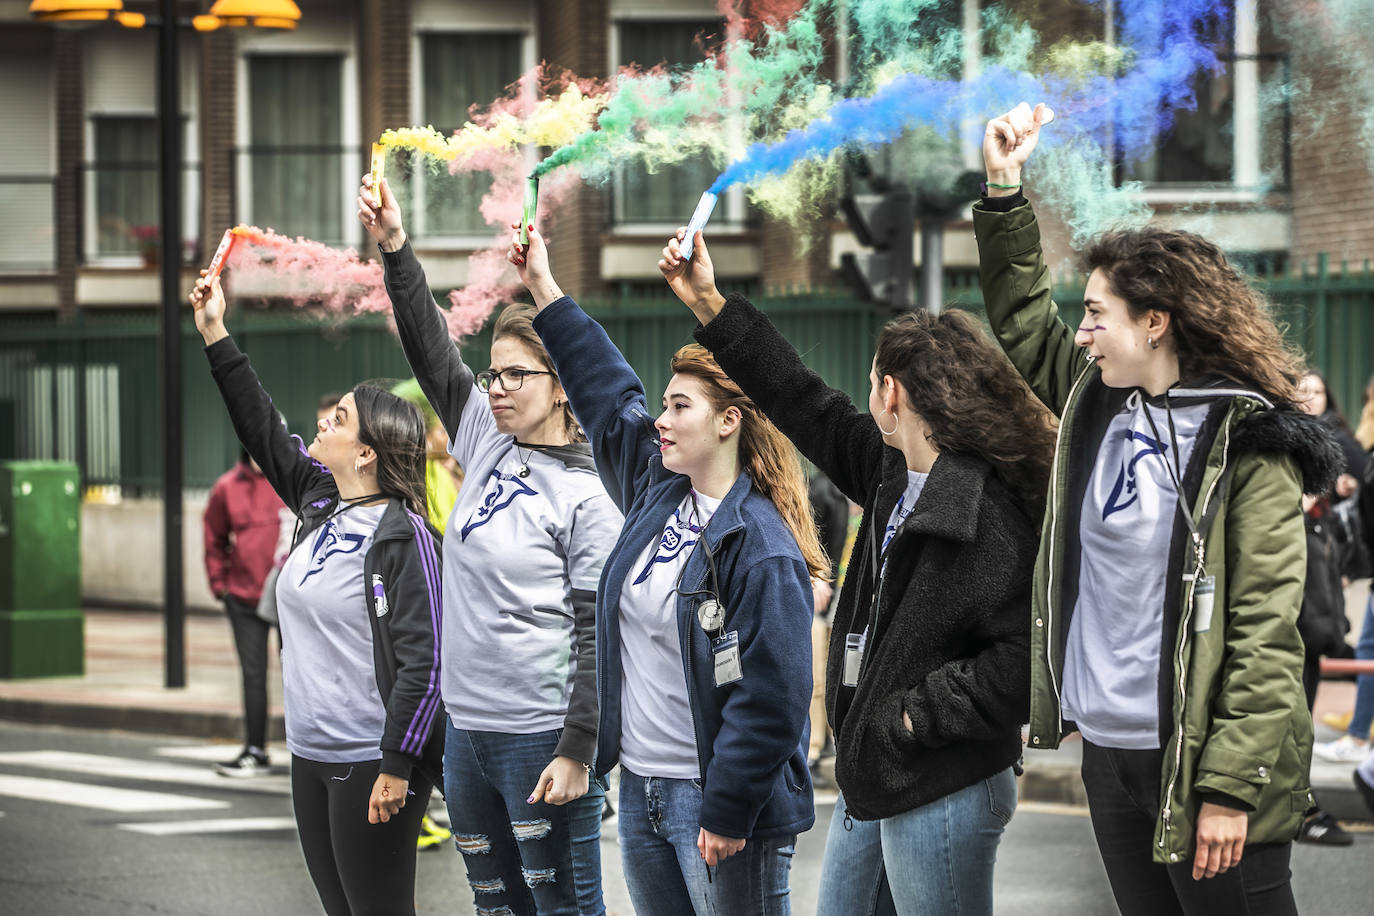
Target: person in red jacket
column 242, row 523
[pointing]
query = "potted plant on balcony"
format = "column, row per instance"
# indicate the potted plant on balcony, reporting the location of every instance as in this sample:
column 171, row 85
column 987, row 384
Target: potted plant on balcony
column 148, row 244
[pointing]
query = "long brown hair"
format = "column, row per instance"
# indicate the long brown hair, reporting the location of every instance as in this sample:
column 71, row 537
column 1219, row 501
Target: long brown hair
column 765, row 453
column 1364, row 432
column 517, row 321
column 395, row 430
column 972, row 398
column 1219, row 323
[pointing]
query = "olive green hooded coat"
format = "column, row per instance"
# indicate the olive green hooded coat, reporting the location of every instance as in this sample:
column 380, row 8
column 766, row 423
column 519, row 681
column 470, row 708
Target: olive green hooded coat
column 1234, row 724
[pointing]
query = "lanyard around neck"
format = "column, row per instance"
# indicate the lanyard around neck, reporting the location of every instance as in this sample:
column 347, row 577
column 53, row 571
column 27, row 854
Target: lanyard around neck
column 347, row 504
column 1196, row 530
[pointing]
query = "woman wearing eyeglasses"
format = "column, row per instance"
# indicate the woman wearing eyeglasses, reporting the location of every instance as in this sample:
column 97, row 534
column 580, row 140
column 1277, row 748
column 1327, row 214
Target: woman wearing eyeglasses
column 523, row 552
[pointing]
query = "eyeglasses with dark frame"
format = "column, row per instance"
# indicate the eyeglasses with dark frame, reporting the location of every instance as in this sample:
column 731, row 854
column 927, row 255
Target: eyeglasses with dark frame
column 512, row 379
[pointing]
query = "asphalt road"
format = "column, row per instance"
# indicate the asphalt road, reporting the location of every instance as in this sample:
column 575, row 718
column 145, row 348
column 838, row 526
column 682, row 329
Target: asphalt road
column 110, row 824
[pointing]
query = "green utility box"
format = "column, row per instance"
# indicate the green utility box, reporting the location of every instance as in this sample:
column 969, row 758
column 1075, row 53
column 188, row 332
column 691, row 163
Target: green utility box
column 41, row 625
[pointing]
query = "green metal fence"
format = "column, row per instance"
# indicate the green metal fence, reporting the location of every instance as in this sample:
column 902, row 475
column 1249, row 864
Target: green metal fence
column 87, row 391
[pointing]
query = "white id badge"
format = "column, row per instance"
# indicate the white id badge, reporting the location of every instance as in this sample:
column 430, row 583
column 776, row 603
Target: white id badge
column 726, row 652
column 853, row 658
column 1204, row 595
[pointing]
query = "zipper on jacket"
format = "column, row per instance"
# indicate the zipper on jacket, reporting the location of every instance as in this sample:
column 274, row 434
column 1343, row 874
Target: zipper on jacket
column 872, row 621
column 691, row 688
column 647, row 420
column 1185, row 626
column 872, row 628
column 652, row 431
column 1049, row 583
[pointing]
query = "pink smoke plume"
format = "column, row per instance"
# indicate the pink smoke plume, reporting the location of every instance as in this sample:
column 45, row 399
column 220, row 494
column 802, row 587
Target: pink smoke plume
column 338, row 281
column 307, row 272
column 749, row 17
column 491, row 282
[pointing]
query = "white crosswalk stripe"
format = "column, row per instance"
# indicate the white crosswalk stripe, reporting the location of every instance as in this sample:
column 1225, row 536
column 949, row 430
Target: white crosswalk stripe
column 214, row 752
column 218, row 825
column 122, row 800
column 104, row 798
column 143, row 770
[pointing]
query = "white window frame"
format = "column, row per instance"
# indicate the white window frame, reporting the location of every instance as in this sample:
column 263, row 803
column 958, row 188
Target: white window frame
column 42, row 169
column 188, row 110
column 488, row 25
column 1245, row 185
column 730, row 212
column 323, row 36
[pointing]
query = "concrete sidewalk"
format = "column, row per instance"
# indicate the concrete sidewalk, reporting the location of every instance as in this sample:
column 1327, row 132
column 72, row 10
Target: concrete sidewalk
column 122, row 689
column 123, row 684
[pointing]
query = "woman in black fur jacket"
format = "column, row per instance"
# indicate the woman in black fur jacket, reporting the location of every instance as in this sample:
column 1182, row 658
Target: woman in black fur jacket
column 928, row 670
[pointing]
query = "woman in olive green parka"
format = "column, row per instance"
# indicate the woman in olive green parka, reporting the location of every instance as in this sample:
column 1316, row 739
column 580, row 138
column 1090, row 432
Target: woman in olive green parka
column 1172, row 554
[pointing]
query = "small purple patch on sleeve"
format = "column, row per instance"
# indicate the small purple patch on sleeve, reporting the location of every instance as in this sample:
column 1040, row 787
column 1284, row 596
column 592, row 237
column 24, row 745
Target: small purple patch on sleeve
column 320, row 503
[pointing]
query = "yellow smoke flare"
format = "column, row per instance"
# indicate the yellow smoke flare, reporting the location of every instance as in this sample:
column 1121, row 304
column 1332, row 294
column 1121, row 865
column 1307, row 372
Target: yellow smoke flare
column 554, row 121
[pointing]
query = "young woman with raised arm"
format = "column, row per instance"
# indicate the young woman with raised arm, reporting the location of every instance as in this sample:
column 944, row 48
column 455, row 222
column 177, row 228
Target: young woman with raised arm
column 928, row 668
column 524, row 549
column 703, row 620
column 1172, row 559
column 358, row 601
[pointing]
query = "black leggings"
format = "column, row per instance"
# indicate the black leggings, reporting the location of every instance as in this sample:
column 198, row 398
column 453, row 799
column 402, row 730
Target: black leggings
column 250, row 639
column 1123, row 799
column 359, row 869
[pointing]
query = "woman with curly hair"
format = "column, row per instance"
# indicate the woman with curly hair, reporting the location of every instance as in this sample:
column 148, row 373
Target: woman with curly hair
column 928, row 669
column 1172, row 559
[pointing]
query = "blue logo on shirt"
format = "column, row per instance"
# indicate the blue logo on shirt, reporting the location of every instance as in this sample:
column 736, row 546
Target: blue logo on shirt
column 671, row 545
column 1126, row 479
column 898, row 516
column 328, row 543
column 507, row 488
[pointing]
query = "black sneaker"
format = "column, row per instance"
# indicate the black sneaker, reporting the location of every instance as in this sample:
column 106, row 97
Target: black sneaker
column 1366, row 791
column 251, row 762
column 1321, row 829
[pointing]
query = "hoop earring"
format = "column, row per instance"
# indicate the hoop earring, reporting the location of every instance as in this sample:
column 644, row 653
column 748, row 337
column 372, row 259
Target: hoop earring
column 891, row 432
column 1154, row 344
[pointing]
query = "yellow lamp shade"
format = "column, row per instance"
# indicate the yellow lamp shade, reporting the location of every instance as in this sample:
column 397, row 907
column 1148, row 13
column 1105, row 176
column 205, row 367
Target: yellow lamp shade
column 74, row 10
column 265, row 14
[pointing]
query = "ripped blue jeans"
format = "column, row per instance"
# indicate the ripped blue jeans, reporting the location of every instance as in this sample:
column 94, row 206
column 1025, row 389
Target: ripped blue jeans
column 521, row 858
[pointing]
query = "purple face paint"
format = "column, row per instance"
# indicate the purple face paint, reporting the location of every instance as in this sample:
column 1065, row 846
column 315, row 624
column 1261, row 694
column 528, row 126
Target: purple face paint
column 1096, row 327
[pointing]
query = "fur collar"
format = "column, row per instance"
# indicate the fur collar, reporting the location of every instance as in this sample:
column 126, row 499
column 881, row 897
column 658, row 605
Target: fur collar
column 1285, row 430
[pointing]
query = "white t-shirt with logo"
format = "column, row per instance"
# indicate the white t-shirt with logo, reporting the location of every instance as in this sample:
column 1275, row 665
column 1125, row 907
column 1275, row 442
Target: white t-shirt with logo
column 656, row 735
column 915, row 483
column 334, row 713
column 1111, row 663
column 514, row 549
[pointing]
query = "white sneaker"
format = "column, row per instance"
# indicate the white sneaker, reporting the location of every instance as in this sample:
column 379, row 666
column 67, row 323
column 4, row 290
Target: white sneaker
column 1344, row 749
column 246, row 765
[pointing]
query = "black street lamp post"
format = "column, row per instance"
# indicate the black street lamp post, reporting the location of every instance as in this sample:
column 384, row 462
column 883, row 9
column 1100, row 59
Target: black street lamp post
column 271, row 14
column 169, row 362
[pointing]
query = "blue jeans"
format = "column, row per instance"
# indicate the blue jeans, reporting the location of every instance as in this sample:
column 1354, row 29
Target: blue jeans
column 660, row 821
column 935, row 859
column 1363, row 716
column 521, row 858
